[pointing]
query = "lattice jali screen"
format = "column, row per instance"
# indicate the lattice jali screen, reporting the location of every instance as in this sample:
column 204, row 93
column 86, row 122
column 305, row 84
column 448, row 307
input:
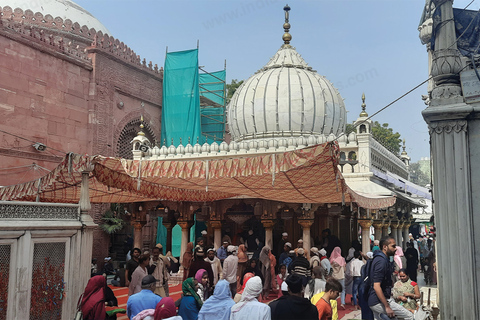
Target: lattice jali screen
column 4, row 278
column 124, row 147
column 47, row 281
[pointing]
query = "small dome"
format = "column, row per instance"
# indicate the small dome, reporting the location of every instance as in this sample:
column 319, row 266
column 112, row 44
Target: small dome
column 64, row 9
column 286, row 98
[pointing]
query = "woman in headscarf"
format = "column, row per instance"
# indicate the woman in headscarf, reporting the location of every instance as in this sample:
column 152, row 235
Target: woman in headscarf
column 191, row 303
column 203, row 287
column 248, row 308
column 166, row 310
column 187, row 260
column 238, row 296
column 348, row 276
column 219, row 305
column 411, row 254
column 273, row 264
column 242, row 263
column 265, row 260
column 200, row 263
column 252, row 267
column 93, row 301
column 338, row 265
column 399, row 263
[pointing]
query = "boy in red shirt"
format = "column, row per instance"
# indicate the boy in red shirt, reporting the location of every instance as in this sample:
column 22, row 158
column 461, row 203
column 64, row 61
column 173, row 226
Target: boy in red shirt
column 332, row 291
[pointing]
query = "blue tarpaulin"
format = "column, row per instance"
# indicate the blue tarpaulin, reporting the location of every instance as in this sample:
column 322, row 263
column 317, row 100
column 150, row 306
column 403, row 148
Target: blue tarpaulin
column 181, row 99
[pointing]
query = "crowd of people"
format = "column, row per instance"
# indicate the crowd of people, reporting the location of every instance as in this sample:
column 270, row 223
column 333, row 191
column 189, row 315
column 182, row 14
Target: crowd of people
column 234, row 282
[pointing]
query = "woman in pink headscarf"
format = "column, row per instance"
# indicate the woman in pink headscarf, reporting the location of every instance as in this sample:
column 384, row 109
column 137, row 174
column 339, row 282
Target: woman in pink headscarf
column 338, row 265
column 400, row 262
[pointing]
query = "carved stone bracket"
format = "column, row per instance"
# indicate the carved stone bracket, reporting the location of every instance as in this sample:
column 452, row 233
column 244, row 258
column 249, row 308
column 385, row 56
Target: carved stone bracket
column 268, row 223
column 365, row 223
column 305, row 223
column 215, row 224
column 395, row 224
column 378, row 224
column 185, row 224
column 448, row 126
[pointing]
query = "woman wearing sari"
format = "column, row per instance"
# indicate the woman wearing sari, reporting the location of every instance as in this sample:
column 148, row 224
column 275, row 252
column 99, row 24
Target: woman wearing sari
column 219, row 305
column 191, row 303
column 187, row 260
column 405, row 291
column 242, row 264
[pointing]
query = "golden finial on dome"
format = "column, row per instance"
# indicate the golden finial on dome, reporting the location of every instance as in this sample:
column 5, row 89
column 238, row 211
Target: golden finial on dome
column 141, row 133
column 403, row 147
column 287, row 37
column 364, row 106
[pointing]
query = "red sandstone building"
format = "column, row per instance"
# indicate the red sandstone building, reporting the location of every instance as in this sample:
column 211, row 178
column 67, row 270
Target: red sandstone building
column 67, row 85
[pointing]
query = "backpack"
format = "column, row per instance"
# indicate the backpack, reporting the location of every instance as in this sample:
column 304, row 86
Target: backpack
column 364, row 290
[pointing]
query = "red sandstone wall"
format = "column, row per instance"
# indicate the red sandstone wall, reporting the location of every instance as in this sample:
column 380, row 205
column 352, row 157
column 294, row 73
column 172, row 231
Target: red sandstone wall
column 44, row 99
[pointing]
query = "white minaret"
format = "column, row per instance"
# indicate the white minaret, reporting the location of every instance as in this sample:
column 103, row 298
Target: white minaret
column 140, row 143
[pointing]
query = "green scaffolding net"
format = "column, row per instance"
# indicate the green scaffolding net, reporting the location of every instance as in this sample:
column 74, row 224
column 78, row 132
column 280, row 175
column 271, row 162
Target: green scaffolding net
column 212, row 105
column 181, row 99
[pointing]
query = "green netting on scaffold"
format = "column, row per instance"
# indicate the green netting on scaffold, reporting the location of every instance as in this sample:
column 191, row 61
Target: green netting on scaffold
column 181, row 98
column 212, row 106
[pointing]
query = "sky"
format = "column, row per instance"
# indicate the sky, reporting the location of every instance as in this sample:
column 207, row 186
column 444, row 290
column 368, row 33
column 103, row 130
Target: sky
column 361, row 46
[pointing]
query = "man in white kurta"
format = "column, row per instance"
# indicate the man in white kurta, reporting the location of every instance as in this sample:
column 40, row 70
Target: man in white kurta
column 248, row 308
column 216, row 265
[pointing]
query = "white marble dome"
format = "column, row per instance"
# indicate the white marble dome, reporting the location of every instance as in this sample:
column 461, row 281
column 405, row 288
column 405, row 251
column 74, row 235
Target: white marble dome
column 285, row 97
column 64, row 9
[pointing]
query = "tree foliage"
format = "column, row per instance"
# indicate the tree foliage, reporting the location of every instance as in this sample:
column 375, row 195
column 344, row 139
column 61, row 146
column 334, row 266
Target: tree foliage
column 417, row 175
column 385, row 135
column 232, row 87
column 112, row 220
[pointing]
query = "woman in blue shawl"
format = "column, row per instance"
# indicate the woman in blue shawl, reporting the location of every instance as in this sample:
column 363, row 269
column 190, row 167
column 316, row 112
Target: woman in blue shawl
column 218, row 306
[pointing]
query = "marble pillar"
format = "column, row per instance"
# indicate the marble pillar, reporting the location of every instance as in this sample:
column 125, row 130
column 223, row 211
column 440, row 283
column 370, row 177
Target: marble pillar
column 306, row 224
column 455, row 148
column 137, row 235
column 365, row 224
column 393, row 230
column 400, row 241
column 168, row 226
column 185, row 225
column 378, row 225
column 268, row 225
column 406, row 232
column 385, row 226
column 217, row 233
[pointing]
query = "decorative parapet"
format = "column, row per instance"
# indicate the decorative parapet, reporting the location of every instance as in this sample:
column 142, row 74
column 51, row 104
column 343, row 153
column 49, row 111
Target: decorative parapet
column 11, row 210
column 69, row 37
column 396, row 166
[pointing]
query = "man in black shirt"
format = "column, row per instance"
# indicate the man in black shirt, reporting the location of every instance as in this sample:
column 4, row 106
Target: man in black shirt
column 380, row 299
column 294, row 305
column 132, row 264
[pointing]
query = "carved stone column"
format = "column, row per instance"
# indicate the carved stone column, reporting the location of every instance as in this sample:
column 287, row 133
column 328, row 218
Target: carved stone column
column 378, row 225
column 306, row 224
column 385, row 226
column 168, row 226
column 185, row 225
column 393, row 230
column 137, row 234
column 400, row 241
column 217, row 233
column 268, row 225
column 406, row 227
column 366, row 224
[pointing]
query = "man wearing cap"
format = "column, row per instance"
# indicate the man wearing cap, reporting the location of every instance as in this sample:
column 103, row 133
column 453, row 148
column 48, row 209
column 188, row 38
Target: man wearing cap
column 215, row 264
column 145, row 299
column 200, row 263
column 158, row 270
column 222, row 252
column 300, row 245
column 284, row 255
column 108, row 267
column 300, row 266
column 230, row 266
column 281, row 245
column 325, row 263
column 294, row 305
